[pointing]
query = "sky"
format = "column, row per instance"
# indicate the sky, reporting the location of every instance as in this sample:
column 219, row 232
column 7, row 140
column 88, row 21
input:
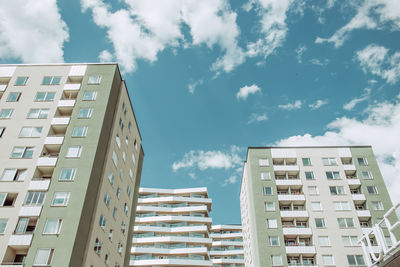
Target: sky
column 210, row 78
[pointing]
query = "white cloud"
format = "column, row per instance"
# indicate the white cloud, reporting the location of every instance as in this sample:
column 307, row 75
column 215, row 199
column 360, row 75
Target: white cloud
column 245, row 91
column 291, row 106
column 146, row 27
column 300, row 51
column 350, row 105
column 319, row 62
column 32, row 31
column 254, row 117
column 317, row 104
column 105, row 56
column 376, row 60
column 370, row 14
column 381, row 119
column 231, row 180
column 192, row 175
column 192, row 86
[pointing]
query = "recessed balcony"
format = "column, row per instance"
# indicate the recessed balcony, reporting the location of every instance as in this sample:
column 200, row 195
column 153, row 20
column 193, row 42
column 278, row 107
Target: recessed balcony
column 288, row 182
column 39, row 185
column 294, row 214
column 349, row 168
column 299, row 249
column 294, row 231
column 363, row 213
column 20, row 240
column 286, row 168
column 357, row 198
column 27, row 211
column 72, row 87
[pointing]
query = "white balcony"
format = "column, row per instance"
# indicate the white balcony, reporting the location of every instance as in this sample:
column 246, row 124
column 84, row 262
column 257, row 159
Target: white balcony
column 30, row 211
column 288, row 182
column 300, row 250
column 223, row 243
column 296, row 231
column 77, row 70
column 11, row 265
column 72, row 87
column 177, row 218
column 291, row 198
column 20, row 240
column 363, row 213
column 66, row 103
column 349, row 167
column 286, row 168
column 170, row 262
column 7, row 71
column 227, row 252
column 54, row 140
column 202, row 208
column 171, row 239
column 46, row 162
column 39, row 185
column 294, row 213
column 228, row 261
column 159, row 229
column 300, row 265
column 173, row 251
column 60, row 121
column 353, row 181
column 358, row 197
column 3, row 87
column 228, row 235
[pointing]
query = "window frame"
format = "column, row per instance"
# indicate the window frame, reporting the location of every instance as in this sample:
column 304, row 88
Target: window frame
column 78, row 153
column 94, row 79
column 265, row 193
column 58, row 226
column 54, row 80
column 49, row 257
column 321, row 220
column 6, row 113
column 64, row 203
column 23, row 153
column 40, row 113
column 24, row 80
column 264, row 162
column 46, row 97
column 93, row 95
column 88, row 115
column 306, row 161
column 363, row 162
column 82, row 130
column 31, row 132
column 18, row 94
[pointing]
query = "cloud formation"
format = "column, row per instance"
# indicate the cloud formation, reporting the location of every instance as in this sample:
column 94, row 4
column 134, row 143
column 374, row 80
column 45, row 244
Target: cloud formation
column 254, row 117
column 291, row 106
column 32, row 31
column 350, row 105
column 245, row 91
column 317, row 104
column 192, row 86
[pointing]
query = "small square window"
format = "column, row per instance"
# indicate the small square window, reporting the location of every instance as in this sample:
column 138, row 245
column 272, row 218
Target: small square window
column 265, row 176
column 6, row 113
column 355, row 260
column 13, row 97
column 52, row 226
column 74, row 152
column 329, row 161
column 85, row 113
column 90, row 96
column 274, row 241
column 51, row 80
column 94, row 79
column 269, row 206
column 324, row 241
column 313, row 190
column 345, row 222
column 316, row 206
column 336, row 190
column 21, row 80
column 79, row 131
column 350, row 240
column 377, row 205
column 43, row 257
column 276, row 260
column 60, row 199
column 328, row 260
column 319, row 222
column 306, row 161
column 309, row 175
column 362, row 161
column 267, row 190
column 263, row 162
column 332, row 175
column 372, row 190
column 272, row 223
column 67, row 174
column 367, row 175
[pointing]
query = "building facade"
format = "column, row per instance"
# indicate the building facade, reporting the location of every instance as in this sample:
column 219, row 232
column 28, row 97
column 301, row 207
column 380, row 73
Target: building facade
column 309, row 206
column 227, row 246
column 71, row 160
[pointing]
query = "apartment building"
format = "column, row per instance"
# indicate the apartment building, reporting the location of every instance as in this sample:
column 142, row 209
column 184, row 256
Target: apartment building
column 227, row 246
column 172, row 228
column 71, row 159
column 309, row 206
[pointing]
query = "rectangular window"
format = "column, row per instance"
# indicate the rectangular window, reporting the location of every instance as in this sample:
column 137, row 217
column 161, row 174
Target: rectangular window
column 51, row 80
column 114, row 212
column 13, row 175
column 128, row 191
column 328, row 260
column 313, row 190
column 6, row 113
column 44, row 96
column 306, row 161
column 89, row 96
column 323, row 241
column 355, row 260
column 345, row 222
column 336, row 190
column 316, row 206
column 13, row 97
column 67, row 174
column 341, row 205
column 74, row 152
column 269, row 206
column 95, row 79
column 43, row 257
column 60, row 199
column 319, row 222
column 3, row 225
column 272, row 223
column 377, row 205
column 102, row 221
column 332, row 175
column 30, row 132
column 107, row 199
column 276, row 260
column 85, row 113
column 329, row 161
column 111, row 178
column 3, row 197
column 350, row 240
column 118, row 140
column 362, row 161
column 309, row 175
column 121, row 124
column 38, row 113
column 263, row 162
column 79, row 131
column 35, row 198
column 273, row 241
column 372, row 190
column 367, row 175
column 21, row 81
column 267, row 190
column 22, row 152
column 265, row 176
column 52, row 226
column 115, row 158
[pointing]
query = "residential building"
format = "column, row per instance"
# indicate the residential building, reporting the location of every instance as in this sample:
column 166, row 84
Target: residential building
column 309, row 206
column 71, row 160
column 227, row 246
column 172, row 228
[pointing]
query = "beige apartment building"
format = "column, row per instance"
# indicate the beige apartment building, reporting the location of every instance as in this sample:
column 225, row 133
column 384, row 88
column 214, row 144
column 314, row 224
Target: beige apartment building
column 71, row 160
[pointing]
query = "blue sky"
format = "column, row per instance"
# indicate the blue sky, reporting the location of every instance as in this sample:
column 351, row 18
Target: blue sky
column 209, row 78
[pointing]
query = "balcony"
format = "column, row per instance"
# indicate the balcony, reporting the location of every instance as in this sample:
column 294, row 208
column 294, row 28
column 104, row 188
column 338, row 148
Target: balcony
column 286, row 168
column 39, row 185
column 285, row 196
column 353, row 182
column 170, row 262
column 54, row 140
column 3, row 87
column 45, row 161
column 66, row 103
column 60, row 120
column 287, row 182
column 27, row 211
column 294, row 231
column 363, row 213
column 20, row 240
column 357, row 198
column 77, row 71
column 349, row 167
column 294, row 214
column 72, row 87
column 299, row 249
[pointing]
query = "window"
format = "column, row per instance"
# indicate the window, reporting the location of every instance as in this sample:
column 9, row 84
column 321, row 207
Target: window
column 131, row 174
column 320, row 222
column 94, row 79
column 13, row 96
column 107, row 199
column 118, row 192
column 345, row 222
column 115, row 158
column 332, row 175
column 136, row 145
column 44, row 96
column 111, row 178
column 43, row 257
column 306, row 161
column 102, row 221
column 97, row 246
column 2, row 129
column 263, row 162
column 336, row 190
column 267, row 190
column 265, row 176
column 35, row 198
column 106, row 258
column 350, row 240
column 123, row 227
column 313, row 190
column 341, row 205
column 128, row 191
column 121, row 174
column 22, row 225
column 126, row 140
column 272, row 223
column 328, row 260
column 13, row 175
column 74, row 152
column 60, row 199
column 52, row 226
column 269, row 206
column 38, row 113
column 377, row 205
column 51, row 80
column 121, row 124
column 316, row 206
column 67, row 174
column 79, row 131
column 114, row 212
column 133, row 158
column 6, row 113
column 123, row 156
column 22, row 152
column 323, row 241
column 276, row 260
column 89, row 96
column 30, row 132
column 273, row 241
column 367, row 175
column 329, row 161
column 362, row 161
column 7, row 199
column 3, row 225
column 124, row 108
column 309, row 175
column 21, row 80
column 355, row 260
column 85, row 113
column 118, row 140
column 126, row 209
column 372, row 190
column 3, row 197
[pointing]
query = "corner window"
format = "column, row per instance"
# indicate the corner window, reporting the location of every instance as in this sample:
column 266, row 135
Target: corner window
column 51, row 80
column 30, row 132
column 79, row 131
column 306, row 161
column 362, row 161
column 6, row 113
column 85, row 113
column 21, row 81
column 67, row 174
column 90, row 96
column 22, row 152
column 13, row 97
column 44, row 96
column 38, row 113
column 95, row 79
column 60, row 199
column 52, row 226
column 43, row 257
column 74, row 152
